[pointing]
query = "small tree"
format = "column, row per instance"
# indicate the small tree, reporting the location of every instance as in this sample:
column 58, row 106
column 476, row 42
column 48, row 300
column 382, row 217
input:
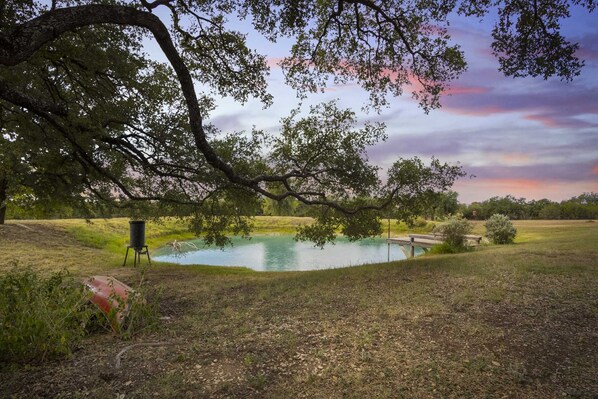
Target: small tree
column 454, row 231
column 500, row 230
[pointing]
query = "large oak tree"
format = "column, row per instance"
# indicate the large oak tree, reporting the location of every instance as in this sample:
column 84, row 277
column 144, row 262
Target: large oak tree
column 81, row 102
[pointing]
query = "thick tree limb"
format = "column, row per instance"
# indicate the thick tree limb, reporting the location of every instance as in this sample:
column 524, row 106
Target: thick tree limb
column 24, row 100
column 23, row 41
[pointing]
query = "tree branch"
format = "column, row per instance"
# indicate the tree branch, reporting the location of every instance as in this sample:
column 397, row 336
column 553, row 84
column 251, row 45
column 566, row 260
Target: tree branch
column 20, row 43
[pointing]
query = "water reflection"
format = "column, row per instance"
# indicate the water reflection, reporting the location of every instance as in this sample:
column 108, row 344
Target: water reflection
column 277, row 253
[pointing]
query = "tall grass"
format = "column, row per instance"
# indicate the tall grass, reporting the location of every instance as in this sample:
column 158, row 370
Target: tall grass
column 40, row 317
column 46, row 317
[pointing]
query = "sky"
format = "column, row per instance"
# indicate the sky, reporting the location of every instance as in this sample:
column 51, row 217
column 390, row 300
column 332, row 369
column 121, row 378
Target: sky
column 531, row 138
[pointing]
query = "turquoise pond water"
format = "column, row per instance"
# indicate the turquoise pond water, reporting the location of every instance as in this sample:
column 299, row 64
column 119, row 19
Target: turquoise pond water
column 282, row 253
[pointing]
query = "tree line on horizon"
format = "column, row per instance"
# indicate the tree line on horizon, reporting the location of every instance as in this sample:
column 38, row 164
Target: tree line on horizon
column 584, row 206
column 440, row 206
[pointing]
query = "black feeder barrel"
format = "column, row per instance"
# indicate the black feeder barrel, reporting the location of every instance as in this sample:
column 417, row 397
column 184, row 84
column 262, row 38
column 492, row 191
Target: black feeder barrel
column 137, row 233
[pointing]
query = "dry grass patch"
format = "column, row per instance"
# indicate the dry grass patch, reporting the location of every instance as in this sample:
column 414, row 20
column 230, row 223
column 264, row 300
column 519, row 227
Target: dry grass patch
column 511, row 321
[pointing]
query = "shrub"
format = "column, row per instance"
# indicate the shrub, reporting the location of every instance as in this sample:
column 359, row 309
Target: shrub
column 131, row 316
column 454, row 231
column 46, row 317
column 417, row 222
column 40, row 317
column 142, row 314
column 444, row 248
column 500, row 230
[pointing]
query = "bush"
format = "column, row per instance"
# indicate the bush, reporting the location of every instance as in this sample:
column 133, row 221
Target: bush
column 46, row 317
column 445, row 248
column 454, row 231
column 417, row 222
column 142, row 314
column 40, row 317
column 500, row 230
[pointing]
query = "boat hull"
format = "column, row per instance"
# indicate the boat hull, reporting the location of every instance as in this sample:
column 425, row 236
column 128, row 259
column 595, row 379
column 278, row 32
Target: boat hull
column 111, row 296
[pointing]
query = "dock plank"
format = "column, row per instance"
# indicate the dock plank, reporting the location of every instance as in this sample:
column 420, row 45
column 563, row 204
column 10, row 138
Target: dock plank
column 472, row 239
column 418, row 242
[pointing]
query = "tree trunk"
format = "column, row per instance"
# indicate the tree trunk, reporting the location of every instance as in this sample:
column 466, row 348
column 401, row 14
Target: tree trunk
column 3, row 203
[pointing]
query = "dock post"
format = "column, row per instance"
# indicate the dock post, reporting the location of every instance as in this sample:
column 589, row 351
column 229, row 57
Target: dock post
column 388, row 241
column 412, row 248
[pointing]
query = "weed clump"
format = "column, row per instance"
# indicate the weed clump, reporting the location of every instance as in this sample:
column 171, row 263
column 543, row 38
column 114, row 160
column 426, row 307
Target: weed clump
column 418, row 222
column 454, row 231
column 40, row 317
column 500, row 230
column 44, row 318
column 446, row 248
column 141, row 314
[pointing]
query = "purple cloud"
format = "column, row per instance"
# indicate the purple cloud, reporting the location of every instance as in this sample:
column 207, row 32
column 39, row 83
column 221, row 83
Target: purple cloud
column 229, row 122
column 577, row 171
column 588, row 48
column 553, row 104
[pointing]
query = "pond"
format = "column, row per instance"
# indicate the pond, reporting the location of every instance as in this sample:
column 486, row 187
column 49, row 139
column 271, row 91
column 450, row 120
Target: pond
column 282, row 253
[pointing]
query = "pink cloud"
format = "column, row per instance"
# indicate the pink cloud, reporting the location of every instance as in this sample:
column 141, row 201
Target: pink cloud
column 458, row 90
column 515, row 183
column 544, row 120
column 471, row 190
column 274, row 62
column 588, row 48
column 556, row 105
column 515, row 158
column 483, row 111
column 587, row 54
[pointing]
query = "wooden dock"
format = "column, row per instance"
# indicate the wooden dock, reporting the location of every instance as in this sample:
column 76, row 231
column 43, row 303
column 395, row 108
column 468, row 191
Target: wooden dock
column 426, row 241
column 418, row 242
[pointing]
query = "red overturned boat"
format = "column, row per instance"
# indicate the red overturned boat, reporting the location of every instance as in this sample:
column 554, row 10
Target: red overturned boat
column 111, row 296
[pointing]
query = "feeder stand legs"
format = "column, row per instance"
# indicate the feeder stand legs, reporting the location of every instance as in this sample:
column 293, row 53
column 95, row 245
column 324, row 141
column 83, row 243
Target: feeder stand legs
column 137, row 252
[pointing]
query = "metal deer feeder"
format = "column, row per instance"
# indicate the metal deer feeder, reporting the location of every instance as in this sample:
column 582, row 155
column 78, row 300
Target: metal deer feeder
column 137, row 242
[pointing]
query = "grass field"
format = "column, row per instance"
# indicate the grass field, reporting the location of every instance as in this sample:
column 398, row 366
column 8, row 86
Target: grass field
column 515, row 321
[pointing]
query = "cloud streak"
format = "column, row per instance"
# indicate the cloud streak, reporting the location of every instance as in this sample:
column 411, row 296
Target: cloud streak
column 542, row 172
column 557, row 104
column 471, row 190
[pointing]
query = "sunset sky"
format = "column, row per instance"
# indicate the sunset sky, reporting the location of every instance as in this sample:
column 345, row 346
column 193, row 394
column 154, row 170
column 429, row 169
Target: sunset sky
column 531, row 138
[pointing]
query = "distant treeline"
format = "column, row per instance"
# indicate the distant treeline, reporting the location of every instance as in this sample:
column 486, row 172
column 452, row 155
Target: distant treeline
column 438, row 206
column 584, row 206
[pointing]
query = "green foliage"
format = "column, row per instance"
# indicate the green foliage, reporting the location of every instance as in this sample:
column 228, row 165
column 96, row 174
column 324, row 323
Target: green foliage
column 454, row 231
column 417, row 183
column 417, row 222
column 446, row 204
column 327, row 226
column 446, row 248
column 440, row 204
column 44, row 318
column 500, row 230
column 40, row 317
column 140, row 310
column 584, row 206
column 515, row 208
column 528, row 42
column 328, row 142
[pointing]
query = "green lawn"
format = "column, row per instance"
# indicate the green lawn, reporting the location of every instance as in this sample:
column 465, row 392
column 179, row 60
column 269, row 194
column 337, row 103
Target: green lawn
column 517, row 321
